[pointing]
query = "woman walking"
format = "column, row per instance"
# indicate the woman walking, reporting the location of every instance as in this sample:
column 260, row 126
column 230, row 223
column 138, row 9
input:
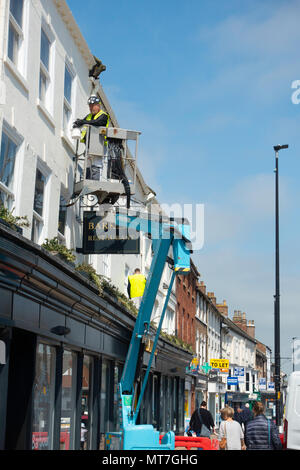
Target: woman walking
column 231, row 435
column 261, row 432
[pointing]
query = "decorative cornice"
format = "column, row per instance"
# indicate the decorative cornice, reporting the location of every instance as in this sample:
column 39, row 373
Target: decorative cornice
column 74, row 31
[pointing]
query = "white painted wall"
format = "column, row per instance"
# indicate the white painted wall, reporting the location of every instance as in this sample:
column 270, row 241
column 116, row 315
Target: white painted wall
column 42, row 141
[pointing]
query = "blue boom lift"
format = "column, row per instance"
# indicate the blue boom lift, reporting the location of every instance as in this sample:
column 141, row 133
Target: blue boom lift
column 165, row 233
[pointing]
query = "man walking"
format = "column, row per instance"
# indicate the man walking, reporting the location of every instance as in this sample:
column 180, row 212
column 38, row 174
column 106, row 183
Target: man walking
column 202, row 422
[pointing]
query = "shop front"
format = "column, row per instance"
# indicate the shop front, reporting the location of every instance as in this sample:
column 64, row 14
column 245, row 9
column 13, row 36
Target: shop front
column 200, row 389
column 236, row 399
column 216, row 393
column 63, row 349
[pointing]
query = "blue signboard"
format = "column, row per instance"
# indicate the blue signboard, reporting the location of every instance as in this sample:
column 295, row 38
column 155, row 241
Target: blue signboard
column 239, row 371
column 232, row 381
column 271, row 386
column 262, row 384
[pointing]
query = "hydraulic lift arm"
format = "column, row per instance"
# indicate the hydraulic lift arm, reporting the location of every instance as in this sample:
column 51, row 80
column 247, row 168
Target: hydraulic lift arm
column 165, row 233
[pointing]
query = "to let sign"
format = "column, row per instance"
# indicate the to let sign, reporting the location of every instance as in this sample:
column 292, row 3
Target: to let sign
column 219, row 363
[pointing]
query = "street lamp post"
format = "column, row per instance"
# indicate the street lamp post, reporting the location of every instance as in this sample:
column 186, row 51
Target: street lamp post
column 295, row 337
column 277, row 294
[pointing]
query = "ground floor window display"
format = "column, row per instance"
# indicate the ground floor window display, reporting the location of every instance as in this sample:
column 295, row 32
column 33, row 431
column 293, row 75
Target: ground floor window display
column 43, row 391
column 67, row 420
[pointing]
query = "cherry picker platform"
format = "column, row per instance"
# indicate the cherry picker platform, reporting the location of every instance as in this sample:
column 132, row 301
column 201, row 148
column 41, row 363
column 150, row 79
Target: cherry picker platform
column 116, row 165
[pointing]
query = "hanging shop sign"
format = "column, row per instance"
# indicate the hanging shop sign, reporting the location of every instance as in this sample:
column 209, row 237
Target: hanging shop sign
column 101, row 236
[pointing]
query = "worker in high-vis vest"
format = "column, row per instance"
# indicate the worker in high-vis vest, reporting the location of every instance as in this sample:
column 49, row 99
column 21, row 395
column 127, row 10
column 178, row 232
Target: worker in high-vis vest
column 136, row 287
column 96, row 117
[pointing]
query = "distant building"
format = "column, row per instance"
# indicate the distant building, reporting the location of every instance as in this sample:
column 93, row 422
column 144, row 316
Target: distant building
column 186, row 329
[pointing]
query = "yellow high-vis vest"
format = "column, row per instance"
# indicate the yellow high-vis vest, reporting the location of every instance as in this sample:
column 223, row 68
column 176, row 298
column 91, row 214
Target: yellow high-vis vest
column 90, row 117
column 137, row 285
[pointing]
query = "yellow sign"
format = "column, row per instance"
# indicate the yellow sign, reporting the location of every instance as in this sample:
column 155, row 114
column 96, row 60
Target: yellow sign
column 219, row 363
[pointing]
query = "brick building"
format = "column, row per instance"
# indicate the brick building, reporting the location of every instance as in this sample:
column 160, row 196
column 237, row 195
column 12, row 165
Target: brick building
column 186, row 292
column 186, row 297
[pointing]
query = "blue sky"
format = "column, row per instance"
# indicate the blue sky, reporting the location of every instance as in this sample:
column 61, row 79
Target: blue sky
column 209, row 85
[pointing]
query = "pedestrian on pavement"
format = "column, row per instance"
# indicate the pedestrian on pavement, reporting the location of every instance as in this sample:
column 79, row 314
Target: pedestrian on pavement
column 261, row 433
column 83, row 432
column 202, row 422
column 238, row 415
column 247, row 414
column 136, row 286
column 230, row 433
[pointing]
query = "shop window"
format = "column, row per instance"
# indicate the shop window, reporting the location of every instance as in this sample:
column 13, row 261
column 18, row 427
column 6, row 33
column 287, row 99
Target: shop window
column 162, row 399
column 68, row 402
column 86, row 400
column 155, row 401
column 175, row 403
column 117, row 378
column 168, row 403
column 171, row 402
column 106, row 401
column 43, row 398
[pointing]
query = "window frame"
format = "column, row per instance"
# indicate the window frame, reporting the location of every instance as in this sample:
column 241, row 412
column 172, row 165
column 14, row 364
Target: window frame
column 63, row 194
column 68, row 105
column 36, row 217
column 46, row 102
column 17, row 139
column 18, row 66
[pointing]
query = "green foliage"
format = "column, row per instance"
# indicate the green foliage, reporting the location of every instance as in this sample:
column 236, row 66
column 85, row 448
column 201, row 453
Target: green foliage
column 13, row 221
column 177, row 342
column 115, row 292
column 87, row 269
column 55, row 247
column 105, row 285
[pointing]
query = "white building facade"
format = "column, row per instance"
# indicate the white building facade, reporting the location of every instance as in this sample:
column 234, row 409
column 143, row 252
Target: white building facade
column 44, row 85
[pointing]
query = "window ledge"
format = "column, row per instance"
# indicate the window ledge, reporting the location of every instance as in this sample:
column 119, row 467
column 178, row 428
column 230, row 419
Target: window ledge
column 38, row 217
column 18, row 76
column 46, row 113
column 67, row 140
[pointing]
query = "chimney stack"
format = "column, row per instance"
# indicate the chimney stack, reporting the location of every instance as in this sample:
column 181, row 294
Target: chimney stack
column 223, row 308
column 212, row 297
column 202, row 287
column 240, row 320
column 251, row 329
